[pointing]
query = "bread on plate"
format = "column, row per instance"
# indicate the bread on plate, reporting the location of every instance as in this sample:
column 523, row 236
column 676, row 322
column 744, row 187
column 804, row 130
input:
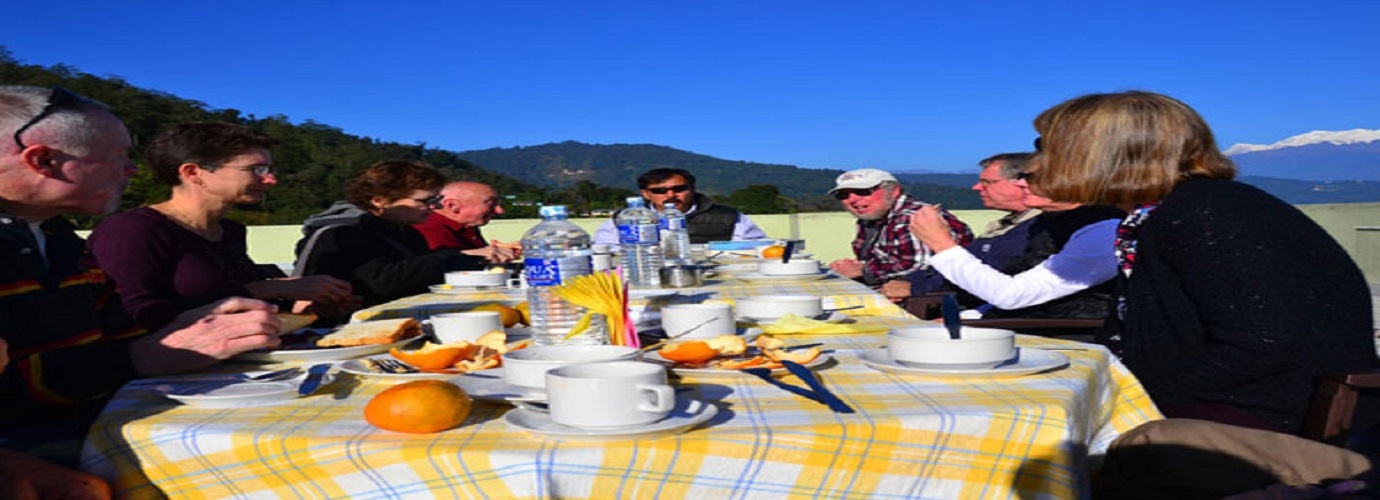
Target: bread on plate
column 384, row 331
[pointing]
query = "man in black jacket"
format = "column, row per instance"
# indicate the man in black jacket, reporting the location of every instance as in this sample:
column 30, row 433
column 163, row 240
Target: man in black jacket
column 706, row 220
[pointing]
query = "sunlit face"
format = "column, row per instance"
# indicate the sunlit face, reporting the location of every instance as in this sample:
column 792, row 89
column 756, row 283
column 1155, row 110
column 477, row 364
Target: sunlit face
column 997, row 192
column 92, row 183
column 410, row 210
column 871, row 203
column 233, row 180
column 472, row 206
column 675, row 189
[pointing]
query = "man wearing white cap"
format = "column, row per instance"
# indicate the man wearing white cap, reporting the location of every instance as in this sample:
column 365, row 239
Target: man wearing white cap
column 884, row 247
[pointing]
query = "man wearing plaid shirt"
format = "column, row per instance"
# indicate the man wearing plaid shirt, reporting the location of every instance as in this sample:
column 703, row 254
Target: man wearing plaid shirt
column 885, row 249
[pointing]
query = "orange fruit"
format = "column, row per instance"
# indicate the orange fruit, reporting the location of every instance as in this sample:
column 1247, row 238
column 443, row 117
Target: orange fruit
column 509, row 316
column 526, row 311
column 773, row 252
column 418, row 407
column 693, row 352
column 434, row 356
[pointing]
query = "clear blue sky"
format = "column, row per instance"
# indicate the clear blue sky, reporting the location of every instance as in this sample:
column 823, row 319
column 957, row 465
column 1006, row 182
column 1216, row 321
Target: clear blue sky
column 892, row 84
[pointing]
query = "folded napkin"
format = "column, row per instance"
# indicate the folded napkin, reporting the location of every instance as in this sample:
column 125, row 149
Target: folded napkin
column 791, row 324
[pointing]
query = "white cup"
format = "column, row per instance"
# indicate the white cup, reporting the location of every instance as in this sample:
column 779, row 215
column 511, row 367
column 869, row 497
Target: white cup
column 676, row 319
column 609, row 394
column 796, row 267
column 770, row 307
column 528, row 367
column 467, row 326
column 476, row 278
column 930, row 346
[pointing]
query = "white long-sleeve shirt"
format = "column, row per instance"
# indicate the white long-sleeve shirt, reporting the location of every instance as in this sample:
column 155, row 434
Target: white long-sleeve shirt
column 1087, row 259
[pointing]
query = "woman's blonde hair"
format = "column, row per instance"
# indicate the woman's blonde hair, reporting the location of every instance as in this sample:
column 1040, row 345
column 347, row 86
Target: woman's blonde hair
column 1123, row 148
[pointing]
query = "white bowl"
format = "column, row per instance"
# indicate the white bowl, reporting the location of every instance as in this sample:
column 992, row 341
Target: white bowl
column 528, row 367
column 795, row 267
column 476, row 278
column 931, row 347
column 776, row 306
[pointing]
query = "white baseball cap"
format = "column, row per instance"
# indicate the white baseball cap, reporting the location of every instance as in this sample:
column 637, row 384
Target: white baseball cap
column 862, row 178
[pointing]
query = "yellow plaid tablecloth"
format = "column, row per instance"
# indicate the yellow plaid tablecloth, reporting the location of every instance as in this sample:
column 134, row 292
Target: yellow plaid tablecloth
column 912, row 437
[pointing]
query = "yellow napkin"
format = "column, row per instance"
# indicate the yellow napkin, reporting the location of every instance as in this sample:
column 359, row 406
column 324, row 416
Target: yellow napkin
column 791, row 324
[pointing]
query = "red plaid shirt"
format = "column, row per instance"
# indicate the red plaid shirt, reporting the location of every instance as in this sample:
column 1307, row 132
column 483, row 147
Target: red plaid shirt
column 896, row 252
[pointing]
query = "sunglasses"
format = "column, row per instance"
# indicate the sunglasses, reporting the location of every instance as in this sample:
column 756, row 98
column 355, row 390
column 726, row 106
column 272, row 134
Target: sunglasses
column 1024, row 176
column 1039, row 143
column 663, row 190
column 843, row 194
column 259, row 170
column 433, row 201
column 59, row 98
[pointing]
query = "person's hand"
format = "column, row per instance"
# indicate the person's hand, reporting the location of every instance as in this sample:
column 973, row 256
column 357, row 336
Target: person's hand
column 316, row 288
column 492, row 253
column 25, row 477
column 848, row 268
column 896, row 289
column 206, row 335
column 929, row 227
column 332, row 311
column 4, row 354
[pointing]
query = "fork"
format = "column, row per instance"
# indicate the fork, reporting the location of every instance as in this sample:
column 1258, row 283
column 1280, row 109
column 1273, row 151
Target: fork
column 283, row 374
column 393, row 366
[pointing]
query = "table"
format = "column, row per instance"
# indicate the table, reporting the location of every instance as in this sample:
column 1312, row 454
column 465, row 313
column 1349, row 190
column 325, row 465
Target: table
column 912, row 436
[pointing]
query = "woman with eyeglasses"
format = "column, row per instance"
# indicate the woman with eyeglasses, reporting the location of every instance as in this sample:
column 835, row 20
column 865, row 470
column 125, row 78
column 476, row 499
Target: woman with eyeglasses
column 368, row 240
column 183, row 253
column 1228, row 301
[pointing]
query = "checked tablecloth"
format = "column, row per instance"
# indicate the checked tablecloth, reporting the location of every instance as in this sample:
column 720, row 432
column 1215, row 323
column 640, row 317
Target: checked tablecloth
column 912, row 436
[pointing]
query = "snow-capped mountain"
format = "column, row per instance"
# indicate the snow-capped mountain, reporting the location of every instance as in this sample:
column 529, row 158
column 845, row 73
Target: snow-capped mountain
column 1315, row 156
column 1354, row 136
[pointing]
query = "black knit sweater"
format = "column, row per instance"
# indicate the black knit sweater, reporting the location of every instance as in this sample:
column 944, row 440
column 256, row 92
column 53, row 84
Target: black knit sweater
column 1240, row 299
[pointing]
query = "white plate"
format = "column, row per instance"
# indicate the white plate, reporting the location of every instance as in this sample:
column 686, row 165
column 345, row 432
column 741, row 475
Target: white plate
column 832, row 317
column 361, row 367
column 233, row 391
column 688, row 413
column 650, row 293
column 735, row 269
column 655, row 357
column 1032, row 361
column 475, row 290
column 314, row 355
column 489, row 385
column 782, row 278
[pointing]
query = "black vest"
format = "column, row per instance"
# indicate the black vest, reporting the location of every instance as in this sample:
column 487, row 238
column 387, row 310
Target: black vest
column 710, row 222
column 1051, row 232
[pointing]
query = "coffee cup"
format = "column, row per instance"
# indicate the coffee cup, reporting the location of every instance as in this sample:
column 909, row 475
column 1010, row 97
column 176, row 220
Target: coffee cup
column 528, row 367
column 707, row 320
column 467, row 326
column 771, row 307
column 609, row 394
column 796, row 267
column 931, row 347
column 476, row 278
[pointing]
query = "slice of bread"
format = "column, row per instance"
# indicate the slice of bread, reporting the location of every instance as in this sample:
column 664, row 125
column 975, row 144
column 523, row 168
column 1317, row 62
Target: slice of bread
column 384, row 331
column 294, row 321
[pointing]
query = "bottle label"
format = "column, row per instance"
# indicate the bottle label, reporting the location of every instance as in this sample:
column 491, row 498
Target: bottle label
column 635, row 234
column 672, row 224
column 551, row 272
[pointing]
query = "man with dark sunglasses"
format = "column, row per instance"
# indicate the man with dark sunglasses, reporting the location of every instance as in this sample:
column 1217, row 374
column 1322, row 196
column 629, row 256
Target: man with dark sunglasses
column 706, row 221
column 70, row 342
column 885, row 250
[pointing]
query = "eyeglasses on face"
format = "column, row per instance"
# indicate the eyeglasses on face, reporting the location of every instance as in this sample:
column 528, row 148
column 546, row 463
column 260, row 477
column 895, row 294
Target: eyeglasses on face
column 58, row 99
column 259, row 170
column 433, row 201
column 663, row 190
column 843, row 194
column 989, row 182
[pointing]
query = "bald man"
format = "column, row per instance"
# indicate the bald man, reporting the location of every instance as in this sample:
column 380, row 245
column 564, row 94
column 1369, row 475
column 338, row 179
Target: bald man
column 465, row 206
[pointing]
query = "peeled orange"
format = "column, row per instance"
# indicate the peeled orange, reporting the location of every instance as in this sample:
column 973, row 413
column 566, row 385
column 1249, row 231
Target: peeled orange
column 434, row 356
column 728, row 345
column 418, row 407
column 773, row 252
column 694, row 352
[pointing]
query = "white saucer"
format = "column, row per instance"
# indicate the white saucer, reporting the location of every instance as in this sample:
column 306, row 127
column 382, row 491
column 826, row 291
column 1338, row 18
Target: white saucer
column 317, row 354
column 783, row 277
column 688, row 413
column 650, row 293
column 233, row 391
column 655, row 357
column 489, row 385
column 832, row 317
column 475, row 290
column 1032, row 361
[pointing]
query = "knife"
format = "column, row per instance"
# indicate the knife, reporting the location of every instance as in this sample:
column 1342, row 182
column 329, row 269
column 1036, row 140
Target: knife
column 314, row 376
column 786, row 255
column 949, row 307
column 825, row 395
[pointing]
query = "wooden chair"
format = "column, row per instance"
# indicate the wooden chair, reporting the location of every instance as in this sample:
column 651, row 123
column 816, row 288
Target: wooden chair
column 1329, row 419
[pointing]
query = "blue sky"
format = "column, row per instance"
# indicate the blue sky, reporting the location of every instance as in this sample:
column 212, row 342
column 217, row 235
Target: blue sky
column 898, row 85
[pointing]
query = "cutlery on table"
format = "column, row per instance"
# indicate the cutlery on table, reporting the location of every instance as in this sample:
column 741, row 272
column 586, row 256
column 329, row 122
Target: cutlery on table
column 273, row 376
column 314, row 376
column 808, row 376
column 283, row 374
column 949, row 307
column 392, row 366
column 790, row 249
column 765, row 374
column 1014, row 359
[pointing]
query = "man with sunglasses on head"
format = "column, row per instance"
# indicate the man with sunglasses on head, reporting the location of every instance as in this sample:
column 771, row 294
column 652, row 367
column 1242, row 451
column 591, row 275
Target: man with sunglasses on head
column 70, row 342
column 465, row 207
column 884, row 248
column 705, row 220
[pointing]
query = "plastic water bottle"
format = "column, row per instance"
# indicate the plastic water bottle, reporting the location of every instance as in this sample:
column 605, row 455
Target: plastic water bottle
column 554, row 251
column 675, row 238
column 640, row 239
